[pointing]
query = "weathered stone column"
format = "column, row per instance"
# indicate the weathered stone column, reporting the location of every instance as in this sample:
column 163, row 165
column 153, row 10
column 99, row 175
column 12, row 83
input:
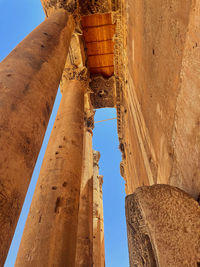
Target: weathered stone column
column 163, row 224
column 102, row 248
column 85, row 218
column 96, row 212
column 29, row 78
column 50, row 233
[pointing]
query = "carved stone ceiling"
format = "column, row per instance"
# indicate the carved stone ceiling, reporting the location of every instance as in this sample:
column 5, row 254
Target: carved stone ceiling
column 92, row 46
column 98, row 32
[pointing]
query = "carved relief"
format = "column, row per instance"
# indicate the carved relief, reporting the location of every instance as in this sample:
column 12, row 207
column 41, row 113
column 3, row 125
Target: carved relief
column 50, row 5
column 88, row 7
column 102, row 91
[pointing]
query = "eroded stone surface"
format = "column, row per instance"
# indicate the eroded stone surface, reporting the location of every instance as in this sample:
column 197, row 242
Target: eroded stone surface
column 50, row 6
column 84, row 246
column 29, row 76
column 102, row 94
column 163, row 225
column 50, row 234
column 158, row 111
column 88, row 7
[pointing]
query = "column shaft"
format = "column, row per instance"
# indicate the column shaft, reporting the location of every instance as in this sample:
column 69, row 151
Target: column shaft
column 96, row 213
column 85, row 221
column 50, row 233
column 29, row 78
column 102, row 248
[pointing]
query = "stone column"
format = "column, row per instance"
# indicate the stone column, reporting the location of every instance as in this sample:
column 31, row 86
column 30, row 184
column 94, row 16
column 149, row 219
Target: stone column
column 85, row 217
column 29, row 78
column 50, row 233
column 163, row 225
column 84, row 247
column 96, row 212
column 102, row 248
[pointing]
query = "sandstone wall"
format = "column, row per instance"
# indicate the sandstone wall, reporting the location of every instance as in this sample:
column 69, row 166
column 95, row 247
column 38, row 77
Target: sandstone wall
column 161, row 96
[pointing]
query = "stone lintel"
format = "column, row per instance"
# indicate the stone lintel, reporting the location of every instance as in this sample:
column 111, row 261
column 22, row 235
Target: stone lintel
column 163, row 224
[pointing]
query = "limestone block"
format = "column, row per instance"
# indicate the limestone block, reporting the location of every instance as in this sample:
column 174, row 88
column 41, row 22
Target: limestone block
column 163, row 225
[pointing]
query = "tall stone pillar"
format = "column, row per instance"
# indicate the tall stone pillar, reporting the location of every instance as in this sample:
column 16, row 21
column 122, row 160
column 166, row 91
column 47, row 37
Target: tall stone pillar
column 98, row 229
column 84, row 245
column 85, row 218
column 163, row 225
column 50, row 233
column 29, row 78
column 100, row 177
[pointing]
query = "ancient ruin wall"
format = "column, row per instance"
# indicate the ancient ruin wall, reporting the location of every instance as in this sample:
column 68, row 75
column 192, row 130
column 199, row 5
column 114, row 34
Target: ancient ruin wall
column 160, row 137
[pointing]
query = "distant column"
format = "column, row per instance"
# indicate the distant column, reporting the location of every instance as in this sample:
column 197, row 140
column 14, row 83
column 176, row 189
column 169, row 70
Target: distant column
column 29, row 78
column 100, row 177
column 50, row 233
column 98, row 237
column 85, row 218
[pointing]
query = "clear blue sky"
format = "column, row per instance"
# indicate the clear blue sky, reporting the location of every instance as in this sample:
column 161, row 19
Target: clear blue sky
column 19, row 18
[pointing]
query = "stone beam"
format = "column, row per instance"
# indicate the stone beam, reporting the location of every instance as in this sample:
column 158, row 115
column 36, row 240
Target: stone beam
column 163, row 225
column 29, row 77
column 50, row 233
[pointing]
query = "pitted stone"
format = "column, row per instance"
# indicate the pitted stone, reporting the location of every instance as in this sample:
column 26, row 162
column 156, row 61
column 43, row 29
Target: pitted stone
column 102, row 91
column 88, row 7
column 163, row 225
column 50, row 6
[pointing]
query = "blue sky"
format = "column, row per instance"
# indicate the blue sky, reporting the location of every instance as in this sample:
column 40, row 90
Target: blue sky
column 19, row 18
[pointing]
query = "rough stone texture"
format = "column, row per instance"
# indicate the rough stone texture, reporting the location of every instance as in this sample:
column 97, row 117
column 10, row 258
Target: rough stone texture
column 163, row 225
column 103, row 91
column 88, row 7
column 50, row 234
column 84, row 246
column 100, row 177
column 50, row 6
column 159, row 108
column 98, row 229
column 29, row 78
column 85, row 7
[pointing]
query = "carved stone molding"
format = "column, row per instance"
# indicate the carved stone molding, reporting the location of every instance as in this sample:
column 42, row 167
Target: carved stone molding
column 102, row 91
column 80, row 74
column 96, row 158
column 50, row 5
column 85, row 7
column 88, row 7
column 163, row 225
column 100, row 177
column 89, row 122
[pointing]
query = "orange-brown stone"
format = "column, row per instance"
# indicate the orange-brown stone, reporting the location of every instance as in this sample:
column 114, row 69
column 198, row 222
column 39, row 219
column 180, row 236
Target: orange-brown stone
column 29, row 78
column 50, row 233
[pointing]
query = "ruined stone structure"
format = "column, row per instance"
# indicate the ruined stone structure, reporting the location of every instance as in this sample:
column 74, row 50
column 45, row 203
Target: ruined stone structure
column 141, row 57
